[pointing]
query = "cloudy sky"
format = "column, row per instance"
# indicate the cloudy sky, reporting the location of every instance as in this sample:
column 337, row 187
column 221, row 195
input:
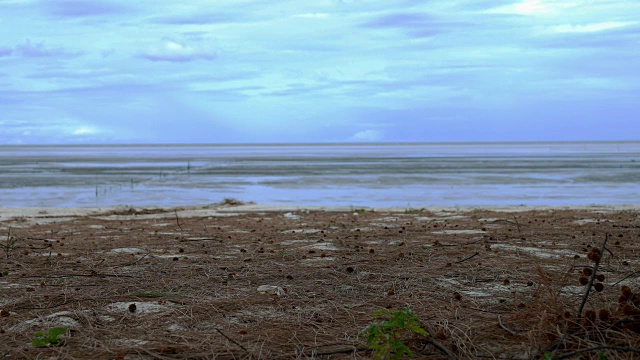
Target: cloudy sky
column 228, row 71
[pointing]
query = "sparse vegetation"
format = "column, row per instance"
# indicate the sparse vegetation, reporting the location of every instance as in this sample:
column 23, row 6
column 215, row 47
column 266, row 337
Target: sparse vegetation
column 9, row 244
column 385, row 337
column 49, row 338
column 233, row 202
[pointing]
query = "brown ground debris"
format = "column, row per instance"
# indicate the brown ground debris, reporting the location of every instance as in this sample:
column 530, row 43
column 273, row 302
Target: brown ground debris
column 156, row 285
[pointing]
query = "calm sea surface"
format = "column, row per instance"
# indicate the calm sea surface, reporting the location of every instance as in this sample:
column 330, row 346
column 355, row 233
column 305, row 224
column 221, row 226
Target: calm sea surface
column 379, row 175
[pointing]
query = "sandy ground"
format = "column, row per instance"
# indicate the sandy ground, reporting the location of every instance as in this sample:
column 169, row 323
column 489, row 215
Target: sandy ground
column 56, row 214
column 154, row 283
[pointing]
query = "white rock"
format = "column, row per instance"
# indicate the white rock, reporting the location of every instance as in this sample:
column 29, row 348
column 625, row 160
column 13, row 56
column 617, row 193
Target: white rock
column 271, row 289
column 291, row 216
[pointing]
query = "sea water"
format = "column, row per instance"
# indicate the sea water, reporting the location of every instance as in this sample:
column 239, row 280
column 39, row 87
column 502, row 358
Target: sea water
column 377, row 175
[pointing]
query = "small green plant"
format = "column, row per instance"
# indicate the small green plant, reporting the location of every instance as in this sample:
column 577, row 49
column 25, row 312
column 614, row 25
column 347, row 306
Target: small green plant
column 385, row 337
column 9, row 244
column 49, row 338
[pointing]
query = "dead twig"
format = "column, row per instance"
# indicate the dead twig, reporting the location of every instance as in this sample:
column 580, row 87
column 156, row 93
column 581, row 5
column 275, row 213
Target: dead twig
column 442, row 348
column 609, row 251
column 515, row 219
column 595, row 348
column 47, row 307
column 135, row 262
column 339, row 351
column 463, row 244
column 200, row 239
column 467, row 258
column 593, row 277
column 155, row 355
column 177, row 219
column 625, row 278
column 235, row 342
column 78, row 275
column 504, row 327
column 436, row 344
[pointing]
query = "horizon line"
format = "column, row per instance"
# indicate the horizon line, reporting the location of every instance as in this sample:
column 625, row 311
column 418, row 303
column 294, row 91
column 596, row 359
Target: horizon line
column 376, row 143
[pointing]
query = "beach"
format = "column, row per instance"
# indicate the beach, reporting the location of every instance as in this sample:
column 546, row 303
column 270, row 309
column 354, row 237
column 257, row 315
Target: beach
column 183, row 282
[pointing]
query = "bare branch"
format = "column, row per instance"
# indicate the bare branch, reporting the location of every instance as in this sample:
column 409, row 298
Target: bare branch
column 593, row 277
column 467, row 258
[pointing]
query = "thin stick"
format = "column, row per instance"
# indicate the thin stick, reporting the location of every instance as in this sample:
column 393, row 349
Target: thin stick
column 436, row 344
column 625, row 278
column 443, row 349
column 515, row 219
column 593, row 277
column 586, row 294
column 177, row 219
column 609, row 252
column 467, row 258
column 203, row 239
column 340, row 351
column 135, row 262
column 601, row 347
column 155, row 356
column 78, row 275
column 463, row 244
column 235, row 342
column 504, row 327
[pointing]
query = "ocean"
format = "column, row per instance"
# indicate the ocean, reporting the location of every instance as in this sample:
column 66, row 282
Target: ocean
column 412, row 175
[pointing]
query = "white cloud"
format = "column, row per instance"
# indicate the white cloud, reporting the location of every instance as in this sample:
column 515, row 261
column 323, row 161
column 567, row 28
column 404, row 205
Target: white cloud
column 84, row 131
column 533, row 7
column 174, row 51
column 367, row 135
column 590, row 28
column 312, row 15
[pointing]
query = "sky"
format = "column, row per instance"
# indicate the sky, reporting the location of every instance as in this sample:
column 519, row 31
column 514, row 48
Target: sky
column 275, row 71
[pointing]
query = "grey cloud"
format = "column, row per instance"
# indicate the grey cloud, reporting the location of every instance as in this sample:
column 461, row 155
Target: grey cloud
column 408, row 20
column 199, row 18
column 628, row 38
column 65, row 74
column 178, row 58
column 81, row 8
column 231, row 93
column 40, row 50
column 416, row 25
column 299, row 89
column 5, row 51
column 227, row 76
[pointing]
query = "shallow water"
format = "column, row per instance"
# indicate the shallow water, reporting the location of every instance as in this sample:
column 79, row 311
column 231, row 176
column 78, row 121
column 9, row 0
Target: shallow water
column 411, row 175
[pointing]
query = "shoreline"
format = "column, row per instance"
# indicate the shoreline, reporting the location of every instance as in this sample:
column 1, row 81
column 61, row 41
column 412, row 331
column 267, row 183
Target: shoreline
column 8, row 213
